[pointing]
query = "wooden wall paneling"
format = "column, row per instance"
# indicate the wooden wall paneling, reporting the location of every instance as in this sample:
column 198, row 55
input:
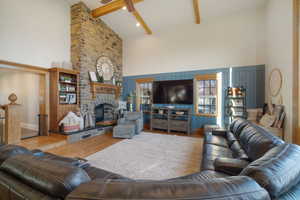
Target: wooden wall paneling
column 253, row 79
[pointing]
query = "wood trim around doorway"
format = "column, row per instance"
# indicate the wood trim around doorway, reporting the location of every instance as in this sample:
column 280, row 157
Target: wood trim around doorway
column 295, row 91
column 43, row 75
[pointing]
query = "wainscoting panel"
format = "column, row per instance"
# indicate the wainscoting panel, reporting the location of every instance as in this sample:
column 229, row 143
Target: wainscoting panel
column 251, row 77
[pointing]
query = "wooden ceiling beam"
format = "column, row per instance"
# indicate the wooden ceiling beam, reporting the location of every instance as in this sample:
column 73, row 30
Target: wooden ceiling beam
column 129, row 5
column 197, row 11
column 110, row 7
column 139, row 18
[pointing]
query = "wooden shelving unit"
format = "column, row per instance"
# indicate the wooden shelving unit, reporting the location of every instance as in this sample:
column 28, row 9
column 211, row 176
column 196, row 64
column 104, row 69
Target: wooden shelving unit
column 235, row 103
column 64, row 95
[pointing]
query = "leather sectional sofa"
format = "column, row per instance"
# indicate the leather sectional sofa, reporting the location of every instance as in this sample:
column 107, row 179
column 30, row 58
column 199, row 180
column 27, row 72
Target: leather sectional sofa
column 244, row 163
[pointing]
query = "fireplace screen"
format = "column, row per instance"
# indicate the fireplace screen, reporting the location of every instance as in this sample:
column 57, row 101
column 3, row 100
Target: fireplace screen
column 104, row 114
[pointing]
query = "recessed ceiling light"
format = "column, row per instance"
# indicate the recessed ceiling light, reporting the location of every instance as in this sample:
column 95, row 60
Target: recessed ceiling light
column 124, row 8
column 138, row 24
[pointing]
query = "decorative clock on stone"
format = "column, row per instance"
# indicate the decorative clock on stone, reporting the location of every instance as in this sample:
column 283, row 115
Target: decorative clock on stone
column 105, row 69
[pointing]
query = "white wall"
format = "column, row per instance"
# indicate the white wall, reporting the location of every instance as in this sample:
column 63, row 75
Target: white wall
column 26, row 87
column 279, row 52
column 236, row 40
column 35, row 32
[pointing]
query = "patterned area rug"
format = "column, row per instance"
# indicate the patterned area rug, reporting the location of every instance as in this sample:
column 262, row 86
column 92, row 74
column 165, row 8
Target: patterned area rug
column 151, row 156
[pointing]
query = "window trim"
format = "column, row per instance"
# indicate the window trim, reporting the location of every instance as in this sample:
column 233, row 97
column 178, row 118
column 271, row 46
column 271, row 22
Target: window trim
column 137, row 88
column 200, row 77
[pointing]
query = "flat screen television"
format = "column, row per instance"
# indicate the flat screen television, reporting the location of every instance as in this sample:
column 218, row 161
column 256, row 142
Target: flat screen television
column 173, row 92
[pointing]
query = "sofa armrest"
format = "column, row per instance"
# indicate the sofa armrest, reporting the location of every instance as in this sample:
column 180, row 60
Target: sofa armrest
column 219, row 132
column 230, row 166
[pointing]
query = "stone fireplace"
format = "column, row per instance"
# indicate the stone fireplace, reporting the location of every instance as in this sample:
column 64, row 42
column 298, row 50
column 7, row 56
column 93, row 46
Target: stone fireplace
column 92, row 38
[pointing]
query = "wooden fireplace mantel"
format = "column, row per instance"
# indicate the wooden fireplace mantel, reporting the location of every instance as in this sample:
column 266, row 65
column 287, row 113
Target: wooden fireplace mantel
column 102, row 88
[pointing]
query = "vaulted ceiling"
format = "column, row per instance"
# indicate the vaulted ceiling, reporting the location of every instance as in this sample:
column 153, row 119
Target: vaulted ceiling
column 169, row 14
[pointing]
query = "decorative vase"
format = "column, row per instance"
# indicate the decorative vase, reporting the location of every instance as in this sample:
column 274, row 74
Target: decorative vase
column 13, row 98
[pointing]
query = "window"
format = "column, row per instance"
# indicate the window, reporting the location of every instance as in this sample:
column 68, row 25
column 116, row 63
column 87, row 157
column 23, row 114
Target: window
column 144, row 94
column 206, row 95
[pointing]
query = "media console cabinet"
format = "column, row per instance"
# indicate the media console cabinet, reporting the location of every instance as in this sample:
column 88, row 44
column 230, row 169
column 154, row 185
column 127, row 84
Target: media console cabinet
column 171, row 119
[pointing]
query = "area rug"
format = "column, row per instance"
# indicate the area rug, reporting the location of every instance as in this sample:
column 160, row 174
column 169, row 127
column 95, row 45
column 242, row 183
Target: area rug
column 151, row 156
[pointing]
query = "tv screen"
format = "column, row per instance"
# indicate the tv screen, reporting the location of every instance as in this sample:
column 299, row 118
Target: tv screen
column 173, row 92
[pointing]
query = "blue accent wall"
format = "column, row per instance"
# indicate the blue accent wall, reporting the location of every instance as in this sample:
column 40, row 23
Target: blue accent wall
column 251, row 77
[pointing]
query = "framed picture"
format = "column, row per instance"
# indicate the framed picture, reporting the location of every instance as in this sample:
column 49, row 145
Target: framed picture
column 93, row 77
column 71, row 98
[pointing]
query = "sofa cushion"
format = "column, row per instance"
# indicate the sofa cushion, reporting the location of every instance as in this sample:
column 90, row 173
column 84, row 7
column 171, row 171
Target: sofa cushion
column 256, row 141
column 238, row 152
column 216, row 140
column 215, row 150
column 48, row 176
column 237, row 126
column 7, row 151
column 278, row 170
column 230, row 138
column 219, row 189
column 210, row 153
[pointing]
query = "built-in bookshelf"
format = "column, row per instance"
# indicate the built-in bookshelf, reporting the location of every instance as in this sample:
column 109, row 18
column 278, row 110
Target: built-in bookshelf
column 67, row 87
column 64, row 93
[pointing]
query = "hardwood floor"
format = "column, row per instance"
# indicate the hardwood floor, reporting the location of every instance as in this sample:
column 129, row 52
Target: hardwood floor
column 44, row 143
column 57, row 144
column 85, row 147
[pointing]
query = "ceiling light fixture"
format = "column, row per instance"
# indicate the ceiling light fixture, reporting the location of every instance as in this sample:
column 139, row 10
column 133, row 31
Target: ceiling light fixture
column 138, row 24
column 124, row 8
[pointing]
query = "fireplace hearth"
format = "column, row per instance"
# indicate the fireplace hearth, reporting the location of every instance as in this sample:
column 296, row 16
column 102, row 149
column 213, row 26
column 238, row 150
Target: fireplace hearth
column 104, row 115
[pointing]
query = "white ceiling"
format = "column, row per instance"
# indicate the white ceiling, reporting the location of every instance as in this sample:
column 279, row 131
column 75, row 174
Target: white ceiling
column 168, row 14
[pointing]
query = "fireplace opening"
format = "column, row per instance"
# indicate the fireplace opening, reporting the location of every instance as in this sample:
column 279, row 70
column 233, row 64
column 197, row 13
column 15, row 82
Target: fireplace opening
column 104, row 115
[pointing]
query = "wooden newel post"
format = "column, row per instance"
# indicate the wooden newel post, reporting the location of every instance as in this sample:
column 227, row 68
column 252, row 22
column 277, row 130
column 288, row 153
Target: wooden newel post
column 12, row 134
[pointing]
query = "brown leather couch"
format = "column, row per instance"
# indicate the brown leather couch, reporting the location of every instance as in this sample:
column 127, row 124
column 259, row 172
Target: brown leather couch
column 245, row 163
